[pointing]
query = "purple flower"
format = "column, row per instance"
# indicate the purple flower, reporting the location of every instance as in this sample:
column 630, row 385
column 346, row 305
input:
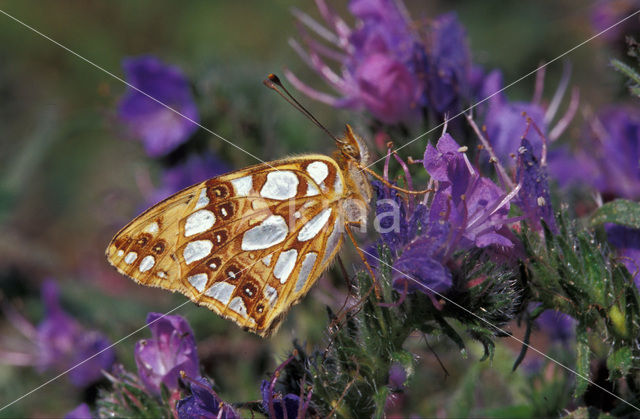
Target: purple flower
column 608, row 158
column 204, row 403
column 606, row 13
column 423, row 262
column 63, row 343
column 275, row 405
column 475, row 207
column 505, row 121
column 80, row 412
column 560, row 327
column 60, row 343
column 170, row 350
column 405, row 228
column 396, row 397
column 627, row 242
column 159, row 128
column 448, row 60
column 534, row 198
column 508, row 122
column 289, row 405
column 387, row 65
column 396, row 224
column 197, row 168
column 397, row 377
column 467, row 211
column 391, row 220
column 376, row 60
column 387, row 88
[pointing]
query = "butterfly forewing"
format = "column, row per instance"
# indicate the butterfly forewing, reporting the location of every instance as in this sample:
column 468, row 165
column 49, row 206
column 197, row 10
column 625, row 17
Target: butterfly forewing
column 247, row 245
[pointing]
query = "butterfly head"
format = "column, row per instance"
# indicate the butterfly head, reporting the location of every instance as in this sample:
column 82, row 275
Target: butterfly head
column 352, row 156
column 352, row 147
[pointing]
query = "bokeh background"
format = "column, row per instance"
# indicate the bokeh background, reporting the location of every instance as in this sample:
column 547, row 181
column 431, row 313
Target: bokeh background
column 71, row 176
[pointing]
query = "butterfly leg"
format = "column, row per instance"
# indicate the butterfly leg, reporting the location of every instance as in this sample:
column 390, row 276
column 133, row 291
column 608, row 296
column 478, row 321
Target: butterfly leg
column 392, row 186
column 364, row 259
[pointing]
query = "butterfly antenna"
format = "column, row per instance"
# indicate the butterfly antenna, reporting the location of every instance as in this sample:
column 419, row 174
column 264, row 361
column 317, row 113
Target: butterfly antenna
column 273, row 82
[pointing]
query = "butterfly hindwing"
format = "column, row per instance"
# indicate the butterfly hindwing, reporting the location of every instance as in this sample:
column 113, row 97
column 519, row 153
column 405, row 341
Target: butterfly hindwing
column 248, row 245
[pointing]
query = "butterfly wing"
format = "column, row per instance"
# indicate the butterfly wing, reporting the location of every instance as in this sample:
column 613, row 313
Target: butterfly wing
column 247, row 245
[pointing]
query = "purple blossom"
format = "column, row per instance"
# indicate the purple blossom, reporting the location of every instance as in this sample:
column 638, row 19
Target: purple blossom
column 397, row 377
column 387, row 65
column 63, row 343
column 405, row 228
column 560, row 327
column 475, row 207
column 606, row 13
column 505, row 121
column 534, row 198
column 467, row 211
column 170, row 350
column 80, row 412
column 396, row 224
column 387, row 88
column 197, row 168
column 275, row 405
column 60, row 343
column 376, row 59
column 422, row 261
column 290, row 406
column 390, row 215
column 533, row 363
column 448, row 60
column 608, row 158
column 381, row 26
column 160, row 129
column 627, row 243
column 396, row 397
column 204, row 403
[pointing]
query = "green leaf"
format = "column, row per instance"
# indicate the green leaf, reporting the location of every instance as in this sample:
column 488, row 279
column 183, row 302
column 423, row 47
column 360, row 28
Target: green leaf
column 596, row 271
column 525, row 342
column 620, row 211
column 582, row 360
column 618, row 322
column 626, row 70
column 380, row 398
column 484, row 336
column 619, row 362
column 451, row 333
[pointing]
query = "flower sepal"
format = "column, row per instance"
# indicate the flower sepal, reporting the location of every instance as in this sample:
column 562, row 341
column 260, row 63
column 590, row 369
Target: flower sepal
column 128, row 397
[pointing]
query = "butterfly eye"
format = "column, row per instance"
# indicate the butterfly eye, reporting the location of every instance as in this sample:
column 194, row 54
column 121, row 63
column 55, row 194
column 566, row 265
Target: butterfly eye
column 350, row 151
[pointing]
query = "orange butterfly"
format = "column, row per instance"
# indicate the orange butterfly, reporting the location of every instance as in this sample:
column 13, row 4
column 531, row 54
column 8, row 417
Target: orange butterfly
column 250, row 244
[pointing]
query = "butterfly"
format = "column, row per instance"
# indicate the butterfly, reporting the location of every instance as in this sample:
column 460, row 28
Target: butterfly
column 250, row 244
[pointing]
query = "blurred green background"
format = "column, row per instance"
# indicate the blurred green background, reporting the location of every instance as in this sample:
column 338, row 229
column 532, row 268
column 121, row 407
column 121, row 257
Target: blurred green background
column 69, row 179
